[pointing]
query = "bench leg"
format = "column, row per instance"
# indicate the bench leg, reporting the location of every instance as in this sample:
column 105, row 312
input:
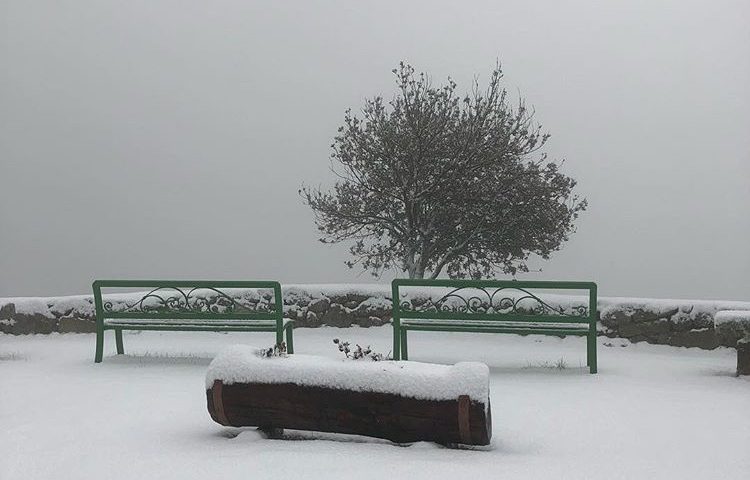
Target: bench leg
column 404, row 348
column 99, row 345
column 118, row 341
column 591, row 352
column 396, row 342
column 289, row 337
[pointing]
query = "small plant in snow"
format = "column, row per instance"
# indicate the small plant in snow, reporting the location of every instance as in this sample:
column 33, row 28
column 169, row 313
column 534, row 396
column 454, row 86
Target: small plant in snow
column 559, row 364
column 359, row 353
column 278, row 350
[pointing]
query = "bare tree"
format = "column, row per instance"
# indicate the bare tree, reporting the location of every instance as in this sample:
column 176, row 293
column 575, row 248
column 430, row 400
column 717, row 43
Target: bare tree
column 432, row 182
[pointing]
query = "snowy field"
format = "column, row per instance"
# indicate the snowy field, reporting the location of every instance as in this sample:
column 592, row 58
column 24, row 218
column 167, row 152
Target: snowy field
column 652, row 412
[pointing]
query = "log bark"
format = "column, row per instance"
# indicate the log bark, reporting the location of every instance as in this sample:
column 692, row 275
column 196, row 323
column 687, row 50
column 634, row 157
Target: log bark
column 381, row 415
column 743, row 357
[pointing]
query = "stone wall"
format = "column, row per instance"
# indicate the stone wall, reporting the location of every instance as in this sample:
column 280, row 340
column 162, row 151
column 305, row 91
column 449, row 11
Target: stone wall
column 687, row 323
column 668, row 325
column 17, row 318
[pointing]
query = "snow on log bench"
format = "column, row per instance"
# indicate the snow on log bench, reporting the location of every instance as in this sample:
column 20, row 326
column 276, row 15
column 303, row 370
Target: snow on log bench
column 738, row 321
column 399, row 401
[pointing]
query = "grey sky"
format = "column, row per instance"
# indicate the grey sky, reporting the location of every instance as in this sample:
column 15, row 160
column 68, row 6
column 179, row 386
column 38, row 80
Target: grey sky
column 168, row 139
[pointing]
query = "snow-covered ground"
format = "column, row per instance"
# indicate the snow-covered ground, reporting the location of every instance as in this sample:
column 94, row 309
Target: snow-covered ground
column 652, row 412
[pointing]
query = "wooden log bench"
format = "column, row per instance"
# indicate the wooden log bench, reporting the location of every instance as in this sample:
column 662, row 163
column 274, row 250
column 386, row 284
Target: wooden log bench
column 190, row 305
column 737, row 323
column 492, row 306
column 399, row 401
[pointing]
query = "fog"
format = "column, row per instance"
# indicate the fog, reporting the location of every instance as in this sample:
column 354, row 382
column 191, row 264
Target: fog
column 168, row 139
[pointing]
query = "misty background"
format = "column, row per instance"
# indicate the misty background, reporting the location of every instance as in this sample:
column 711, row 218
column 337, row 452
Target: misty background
column 168, row 139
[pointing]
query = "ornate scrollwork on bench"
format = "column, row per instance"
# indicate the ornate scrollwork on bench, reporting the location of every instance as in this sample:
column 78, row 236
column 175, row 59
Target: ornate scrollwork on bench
column 503, row 300
column 193, row 300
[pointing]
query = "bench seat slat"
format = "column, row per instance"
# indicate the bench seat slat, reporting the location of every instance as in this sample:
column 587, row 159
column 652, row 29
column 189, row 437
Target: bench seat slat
column 478, row 324
column 205, row 324
column 203, row 321
column 193, row 327
column 188, row 316
column 490, row 317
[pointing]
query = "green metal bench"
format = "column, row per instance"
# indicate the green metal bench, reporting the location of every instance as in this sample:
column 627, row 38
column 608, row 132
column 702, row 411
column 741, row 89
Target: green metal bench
column 491, row 306
column 181, row 305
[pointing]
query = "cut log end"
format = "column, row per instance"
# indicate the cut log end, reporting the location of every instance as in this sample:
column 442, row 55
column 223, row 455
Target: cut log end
column 216, row 403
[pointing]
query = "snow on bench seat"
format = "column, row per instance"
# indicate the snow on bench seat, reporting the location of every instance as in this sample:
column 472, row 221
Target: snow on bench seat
column 125, row 322
column 242, row 364
column 490, row 324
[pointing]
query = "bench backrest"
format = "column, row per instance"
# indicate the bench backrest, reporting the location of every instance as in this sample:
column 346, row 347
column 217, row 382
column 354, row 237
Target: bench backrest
column 190, row 300
column 491, row 300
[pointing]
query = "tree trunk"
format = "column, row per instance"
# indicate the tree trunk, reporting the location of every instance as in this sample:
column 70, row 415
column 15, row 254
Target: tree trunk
column 413, row 269
column 381, row 415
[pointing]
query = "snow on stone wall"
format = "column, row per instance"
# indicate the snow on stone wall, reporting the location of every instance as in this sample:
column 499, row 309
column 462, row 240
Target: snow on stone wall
column 663, row 321
column 733, row 323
